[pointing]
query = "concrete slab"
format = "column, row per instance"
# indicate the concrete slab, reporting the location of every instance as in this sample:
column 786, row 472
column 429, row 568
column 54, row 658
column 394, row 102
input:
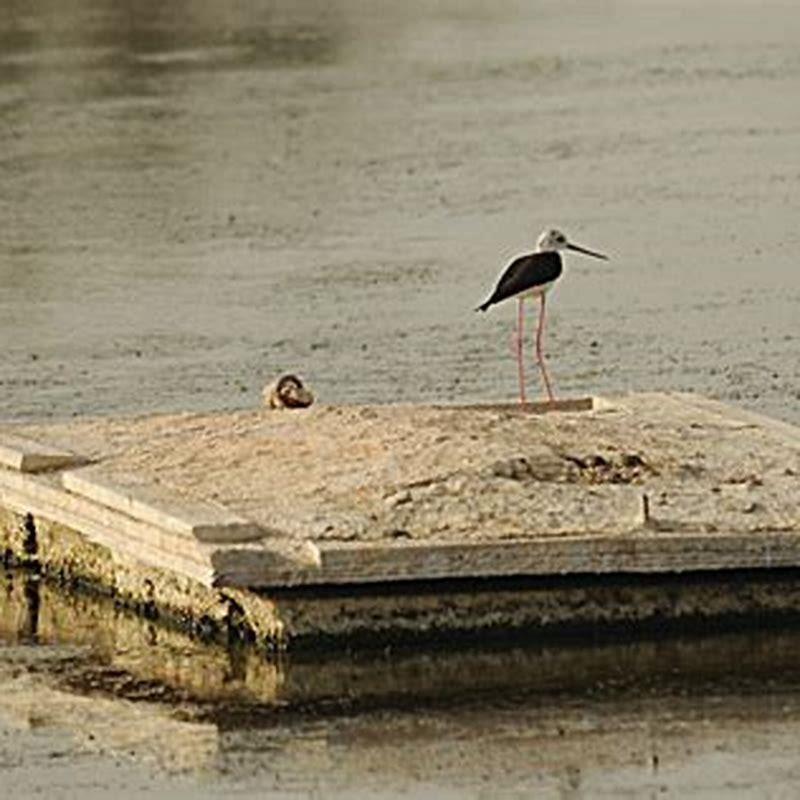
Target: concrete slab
column 335, row 496
column 155, row 503
column 26, row 455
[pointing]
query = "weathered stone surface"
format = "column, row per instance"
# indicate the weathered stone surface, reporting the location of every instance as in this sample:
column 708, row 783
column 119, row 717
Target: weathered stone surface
column 151, row 502
column 26, row 455
column 449, row 474
column 657, row 484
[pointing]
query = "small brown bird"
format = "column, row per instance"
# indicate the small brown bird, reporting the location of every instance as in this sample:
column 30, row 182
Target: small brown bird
column 287, row 392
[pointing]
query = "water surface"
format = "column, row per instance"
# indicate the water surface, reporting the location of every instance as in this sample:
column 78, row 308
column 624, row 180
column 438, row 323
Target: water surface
column 196, row 198
column 94, row 700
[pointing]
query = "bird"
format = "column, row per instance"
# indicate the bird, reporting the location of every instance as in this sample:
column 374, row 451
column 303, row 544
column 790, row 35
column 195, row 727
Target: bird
column 533, row 275
column 287, row 392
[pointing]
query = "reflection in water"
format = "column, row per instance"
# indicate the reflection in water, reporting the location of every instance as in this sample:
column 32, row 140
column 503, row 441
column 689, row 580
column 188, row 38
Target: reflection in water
column 232, row 683
column 552, row 717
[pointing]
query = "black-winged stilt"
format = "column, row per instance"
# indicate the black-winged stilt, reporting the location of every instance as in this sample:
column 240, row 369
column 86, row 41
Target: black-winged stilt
column 531, row 276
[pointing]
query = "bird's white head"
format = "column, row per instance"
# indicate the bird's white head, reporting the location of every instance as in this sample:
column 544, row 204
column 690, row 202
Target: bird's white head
column 552, row 239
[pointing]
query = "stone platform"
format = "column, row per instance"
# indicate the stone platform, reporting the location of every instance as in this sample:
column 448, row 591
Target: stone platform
column 411, row 520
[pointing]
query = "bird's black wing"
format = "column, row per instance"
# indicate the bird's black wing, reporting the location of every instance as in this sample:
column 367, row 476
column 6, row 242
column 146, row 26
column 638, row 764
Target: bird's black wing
column 524, row 273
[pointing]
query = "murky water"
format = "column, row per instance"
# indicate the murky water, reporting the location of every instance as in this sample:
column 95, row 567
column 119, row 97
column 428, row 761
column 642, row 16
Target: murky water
column 92, row 698
column 197, row 196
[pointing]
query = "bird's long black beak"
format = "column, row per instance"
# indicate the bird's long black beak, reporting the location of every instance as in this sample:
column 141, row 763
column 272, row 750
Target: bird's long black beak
column 586, row 252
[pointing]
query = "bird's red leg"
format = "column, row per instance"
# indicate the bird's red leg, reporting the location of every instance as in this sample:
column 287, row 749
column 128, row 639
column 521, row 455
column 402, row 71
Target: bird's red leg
column 520, row 358
column 539, row 355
